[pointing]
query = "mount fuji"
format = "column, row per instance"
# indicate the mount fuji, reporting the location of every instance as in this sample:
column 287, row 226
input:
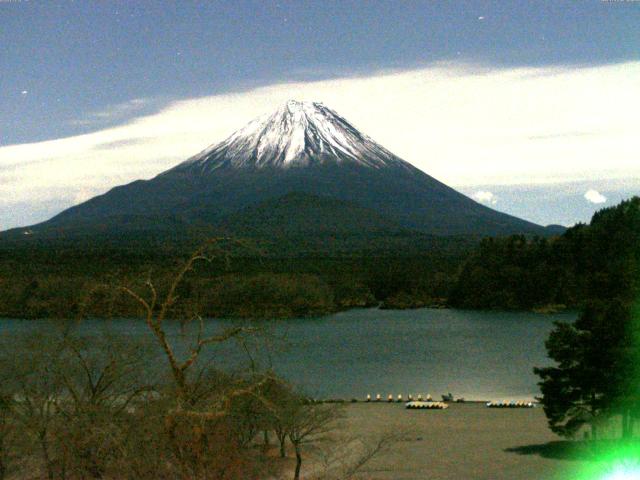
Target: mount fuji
column 303, row 170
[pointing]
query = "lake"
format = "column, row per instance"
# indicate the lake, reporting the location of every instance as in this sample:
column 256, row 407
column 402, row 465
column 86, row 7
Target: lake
column 473, row 354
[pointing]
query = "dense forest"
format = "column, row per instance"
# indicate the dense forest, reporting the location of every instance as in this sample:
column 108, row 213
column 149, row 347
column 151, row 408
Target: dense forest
column 290, row 277
column 252, row 279
column 594, row 379
column 546, row 274
column 524, row 274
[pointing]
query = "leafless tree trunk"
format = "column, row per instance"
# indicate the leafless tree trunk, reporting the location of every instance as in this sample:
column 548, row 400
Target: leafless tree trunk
column 296, row 474
column 281, row 433
column 156, row 311
column 309, row 423
column 190, row 413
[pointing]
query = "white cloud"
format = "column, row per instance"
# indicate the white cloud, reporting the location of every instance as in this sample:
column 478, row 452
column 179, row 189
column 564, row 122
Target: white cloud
column 463, row 124
column 484, row 196
column 594, row 196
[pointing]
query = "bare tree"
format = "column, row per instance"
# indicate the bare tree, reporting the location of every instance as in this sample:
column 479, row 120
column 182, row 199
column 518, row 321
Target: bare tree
column 87, row 406
column 157, row 309
column 68, row 396
column 205, row 430
column 104, row 376
column 309, row 423
column 282, row 401
column 30, row 370
column 350, row 457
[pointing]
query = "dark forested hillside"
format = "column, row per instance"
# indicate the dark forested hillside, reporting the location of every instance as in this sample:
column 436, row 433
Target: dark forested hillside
column 287, row 276
column 520, row 273
column 298, row 273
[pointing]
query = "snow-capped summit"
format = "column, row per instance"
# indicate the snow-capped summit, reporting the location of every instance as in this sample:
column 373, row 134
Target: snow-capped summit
column 296, row 134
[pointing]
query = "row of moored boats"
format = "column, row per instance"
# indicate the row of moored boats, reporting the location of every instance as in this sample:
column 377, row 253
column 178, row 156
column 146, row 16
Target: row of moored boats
column 512, row 404
column 427, row 403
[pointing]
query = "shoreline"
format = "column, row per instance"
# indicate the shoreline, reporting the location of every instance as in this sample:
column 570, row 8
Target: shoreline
column 535, row 311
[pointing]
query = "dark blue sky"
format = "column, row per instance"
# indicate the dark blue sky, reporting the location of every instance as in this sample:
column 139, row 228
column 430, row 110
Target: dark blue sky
column 74, row 58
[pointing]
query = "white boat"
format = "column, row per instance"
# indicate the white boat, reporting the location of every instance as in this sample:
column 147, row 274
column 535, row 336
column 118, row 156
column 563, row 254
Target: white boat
column 418, row 405
column 511, row 404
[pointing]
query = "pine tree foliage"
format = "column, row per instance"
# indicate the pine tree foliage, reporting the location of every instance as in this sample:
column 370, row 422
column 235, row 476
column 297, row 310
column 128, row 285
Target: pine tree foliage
column 597, row 376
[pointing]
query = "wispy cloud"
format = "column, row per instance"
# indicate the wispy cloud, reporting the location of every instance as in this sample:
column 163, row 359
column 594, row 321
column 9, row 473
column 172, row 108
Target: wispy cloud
column 126, row 142
column 461, row 123
column 594, row 196
column 115, row 112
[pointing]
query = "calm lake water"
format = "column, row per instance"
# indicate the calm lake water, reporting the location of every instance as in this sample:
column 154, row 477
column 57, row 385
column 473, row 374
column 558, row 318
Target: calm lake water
column 477, row 355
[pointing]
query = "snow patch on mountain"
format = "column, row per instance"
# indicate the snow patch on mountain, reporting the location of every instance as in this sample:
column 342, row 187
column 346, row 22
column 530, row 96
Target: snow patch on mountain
column 297, row 134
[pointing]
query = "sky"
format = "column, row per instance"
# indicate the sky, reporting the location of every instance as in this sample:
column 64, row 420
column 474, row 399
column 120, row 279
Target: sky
column 528, row 107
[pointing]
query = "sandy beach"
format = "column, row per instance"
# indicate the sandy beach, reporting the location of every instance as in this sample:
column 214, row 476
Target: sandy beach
column 465, row 441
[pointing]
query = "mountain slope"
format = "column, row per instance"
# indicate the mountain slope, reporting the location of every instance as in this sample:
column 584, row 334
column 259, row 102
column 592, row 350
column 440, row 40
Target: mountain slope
column 303, row 148
column 301, row 214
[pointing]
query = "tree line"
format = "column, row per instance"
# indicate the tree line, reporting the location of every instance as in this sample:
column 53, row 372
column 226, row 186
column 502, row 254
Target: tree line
column 515, row 273
column 44, row 282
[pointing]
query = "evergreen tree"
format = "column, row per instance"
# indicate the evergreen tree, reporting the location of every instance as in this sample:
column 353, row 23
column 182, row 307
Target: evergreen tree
column 597, row 374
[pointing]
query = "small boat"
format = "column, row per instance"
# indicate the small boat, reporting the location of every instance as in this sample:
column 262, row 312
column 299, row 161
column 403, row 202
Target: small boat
column 448, row 397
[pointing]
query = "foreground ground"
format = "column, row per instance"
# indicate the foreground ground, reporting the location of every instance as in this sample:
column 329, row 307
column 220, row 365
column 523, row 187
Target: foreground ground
column 465, row 442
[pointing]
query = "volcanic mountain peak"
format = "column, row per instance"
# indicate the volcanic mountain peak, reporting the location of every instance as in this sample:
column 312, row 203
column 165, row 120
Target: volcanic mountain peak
column 297, row 134
column 304, row 170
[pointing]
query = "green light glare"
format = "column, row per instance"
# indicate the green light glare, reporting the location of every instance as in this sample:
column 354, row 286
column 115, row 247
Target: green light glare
column 624, row 472
column 620, row 460
column 613, row 461
column 615, row 454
